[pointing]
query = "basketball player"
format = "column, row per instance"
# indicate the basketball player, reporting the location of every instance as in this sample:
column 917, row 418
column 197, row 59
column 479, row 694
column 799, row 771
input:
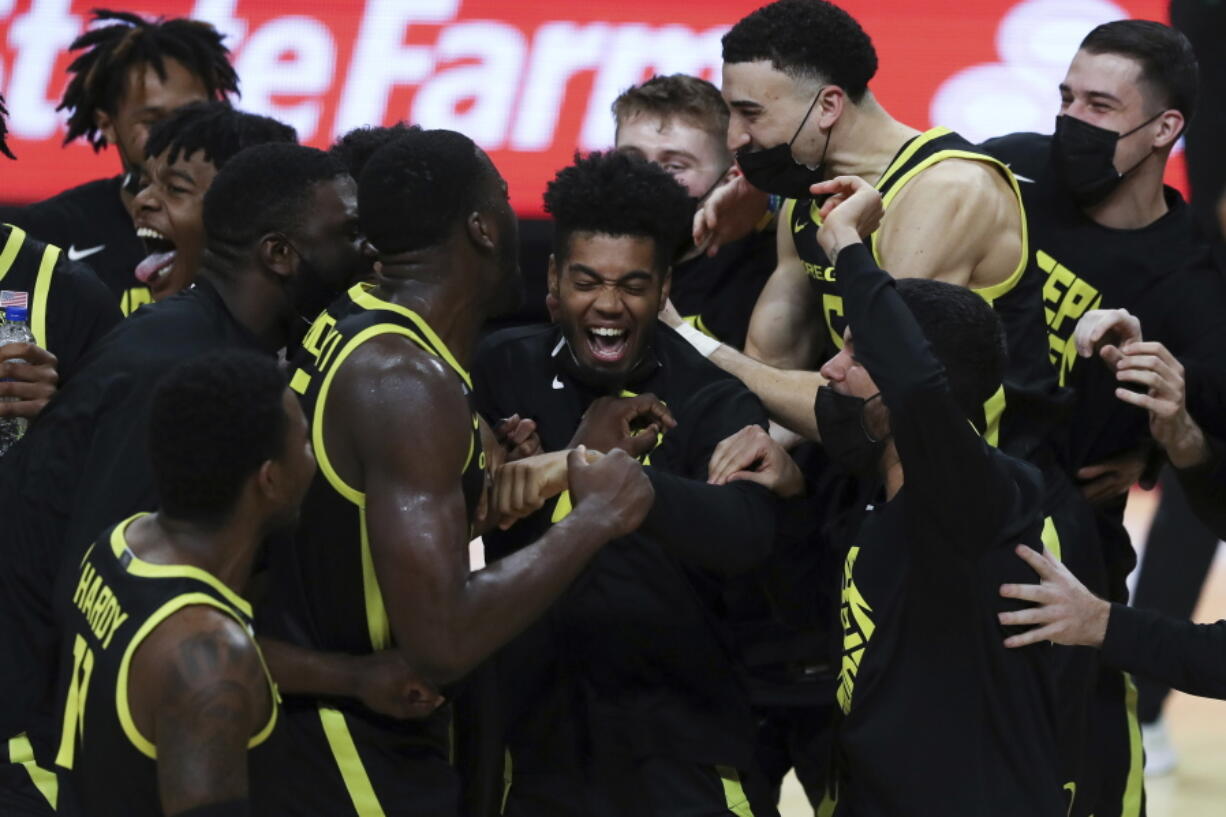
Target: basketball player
column 283, row 235
column 381, row 559
column 131, row 72
column 1106, row 233
column 626, row 699
column 69, row 310
column 183, row 155
column 936, row 715
column 163, row 691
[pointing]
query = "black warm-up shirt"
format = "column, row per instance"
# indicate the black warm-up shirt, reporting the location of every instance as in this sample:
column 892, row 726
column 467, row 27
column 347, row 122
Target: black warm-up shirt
column 92, row 226
column 635, row 652
column 1185, row 656
column 1163, row 273
column 717, row 295
column 82, row 466
column 937, row 716
column 69, row 308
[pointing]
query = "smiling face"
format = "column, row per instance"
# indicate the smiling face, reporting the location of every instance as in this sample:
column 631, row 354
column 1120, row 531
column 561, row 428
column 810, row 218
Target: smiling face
column 1107, row 90
column 693, row 156
column 609, row 292
column 767, row 107
column 169, row 216
column 148, row 98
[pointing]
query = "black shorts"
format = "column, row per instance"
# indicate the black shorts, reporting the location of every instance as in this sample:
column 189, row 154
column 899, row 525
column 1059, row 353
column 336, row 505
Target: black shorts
column 328, row 763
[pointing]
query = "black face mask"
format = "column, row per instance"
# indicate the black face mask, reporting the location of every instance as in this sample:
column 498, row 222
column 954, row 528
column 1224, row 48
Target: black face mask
column 840, row 423
column 1085, row 158
column 775, row 170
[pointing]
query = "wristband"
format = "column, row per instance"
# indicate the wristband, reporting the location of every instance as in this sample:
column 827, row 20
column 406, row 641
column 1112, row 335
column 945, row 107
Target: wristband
column 705, row 344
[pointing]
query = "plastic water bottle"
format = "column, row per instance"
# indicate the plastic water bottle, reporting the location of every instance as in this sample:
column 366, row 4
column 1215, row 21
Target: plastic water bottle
column 15, row 329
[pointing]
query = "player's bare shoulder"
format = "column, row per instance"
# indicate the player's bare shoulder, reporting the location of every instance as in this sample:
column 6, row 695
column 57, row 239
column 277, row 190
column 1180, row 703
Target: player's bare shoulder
column 969, row 212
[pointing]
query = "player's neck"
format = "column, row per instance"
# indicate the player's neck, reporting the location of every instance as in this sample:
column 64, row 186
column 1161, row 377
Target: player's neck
column 868, row 138
column 226, row 552
column 1138, row 202
column 444, row 297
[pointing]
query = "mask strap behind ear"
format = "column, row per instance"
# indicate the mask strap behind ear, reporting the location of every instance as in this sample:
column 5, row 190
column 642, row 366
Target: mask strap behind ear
column 812, row 105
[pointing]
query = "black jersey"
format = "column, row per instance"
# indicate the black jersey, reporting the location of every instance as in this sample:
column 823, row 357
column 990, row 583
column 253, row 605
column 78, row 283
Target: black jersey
column 635, row 659
column 717, row 295
column 92, row 225
column 1019, row 417
column 69, row 308
column 106, row 605
column 937, row 715
column 327, row 595
column 1163, row 273
column 82, row 464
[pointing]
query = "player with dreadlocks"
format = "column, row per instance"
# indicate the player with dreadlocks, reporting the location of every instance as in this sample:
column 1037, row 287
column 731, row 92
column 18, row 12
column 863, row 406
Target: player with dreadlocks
column 130, row 73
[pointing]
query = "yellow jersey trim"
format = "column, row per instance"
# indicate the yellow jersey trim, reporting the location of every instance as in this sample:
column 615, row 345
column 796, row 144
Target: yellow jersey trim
column 1134, row 788
column 910, row 150
column 377, row 622
column 142, row 744
column 1051, row 538
column 349, row 763
column 12, row 246
column 21, row 752
column 148, row 570
column 361, row 295
column 317, row 422
column 734, row 793
column 42, row 291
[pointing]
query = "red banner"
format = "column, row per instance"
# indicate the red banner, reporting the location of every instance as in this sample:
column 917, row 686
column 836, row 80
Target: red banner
column 532, row 82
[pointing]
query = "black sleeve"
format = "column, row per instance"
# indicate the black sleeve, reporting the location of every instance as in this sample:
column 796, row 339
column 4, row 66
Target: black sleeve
column 1185, row 656
column 726, row 529
column 1205, row 486
column 1195, row 333
column 81, row 309
column 45, row 220
column 230, row 808
column 952, row 479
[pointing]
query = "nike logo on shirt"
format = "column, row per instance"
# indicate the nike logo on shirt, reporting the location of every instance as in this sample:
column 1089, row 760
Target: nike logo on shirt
column 76, row 255
column 557, row 384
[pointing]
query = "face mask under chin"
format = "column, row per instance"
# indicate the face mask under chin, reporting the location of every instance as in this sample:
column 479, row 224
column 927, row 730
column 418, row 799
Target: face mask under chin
column 842, row 425
column 776, row 171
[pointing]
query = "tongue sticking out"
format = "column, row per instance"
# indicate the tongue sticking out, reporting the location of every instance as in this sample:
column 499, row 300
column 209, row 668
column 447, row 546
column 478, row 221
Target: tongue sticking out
column 148, row 269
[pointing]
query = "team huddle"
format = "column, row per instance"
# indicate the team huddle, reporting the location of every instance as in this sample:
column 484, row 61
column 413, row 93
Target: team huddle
column 819, row 462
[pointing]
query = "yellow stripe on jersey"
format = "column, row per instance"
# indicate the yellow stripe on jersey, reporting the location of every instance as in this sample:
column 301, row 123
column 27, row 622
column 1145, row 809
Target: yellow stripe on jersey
column 122, row 708
column 1134, row 789
column 362, row 296
column 139, row 567
column 377, row 622
column 349, row 763
column 734, row 793
column 42, row 290
column 12, row 246
column 22, row 754
column 993, row 410
column 910, row 150
column 1051, row 539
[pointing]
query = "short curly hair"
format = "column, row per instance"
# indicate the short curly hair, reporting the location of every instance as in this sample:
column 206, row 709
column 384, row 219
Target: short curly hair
column 216, row 129
column 806, row 39
column 4, row 129
column 100, row 72
column 414, row 190
column 619, row 194
column 357, row 146
column 215, row 419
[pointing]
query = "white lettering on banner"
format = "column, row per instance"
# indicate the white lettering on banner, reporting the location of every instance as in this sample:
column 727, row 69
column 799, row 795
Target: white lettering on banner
column 559, row 51
column 491, row 84
column 220, row 13
column 265, row 74
column 636, row 50
column 38, row 37
column 381, row 60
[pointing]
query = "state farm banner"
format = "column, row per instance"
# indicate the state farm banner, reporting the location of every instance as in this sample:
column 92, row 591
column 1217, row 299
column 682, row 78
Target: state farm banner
column 532, row 82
